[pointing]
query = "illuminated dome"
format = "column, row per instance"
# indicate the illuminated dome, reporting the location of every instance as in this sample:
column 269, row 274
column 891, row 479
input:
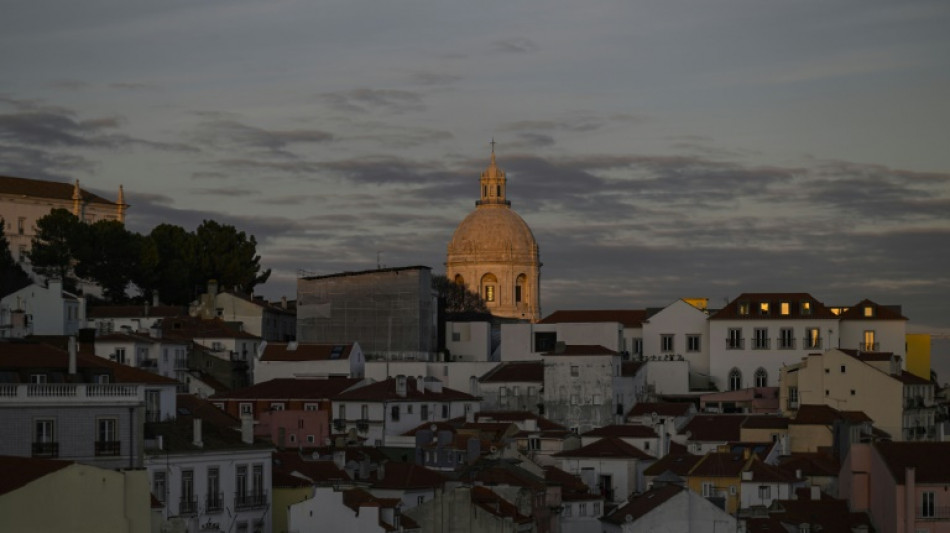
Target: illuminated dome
column 493, row 252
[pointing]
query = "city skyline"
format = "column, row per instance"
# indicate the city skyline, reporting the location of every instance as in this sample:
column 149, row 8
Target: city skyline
column 685, row 149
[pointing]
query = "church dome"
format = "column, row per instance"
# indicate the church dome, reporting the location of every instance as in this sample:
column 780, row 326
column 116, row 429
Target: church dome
column 494, row 233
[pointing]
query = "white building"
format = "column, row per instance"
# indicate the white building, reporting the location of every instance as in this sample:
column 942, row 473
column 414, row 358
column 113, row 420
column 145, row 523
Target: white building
column 41, row 310
column 165, row 358
column 352, row 510
column 205, row 468
column 297, row 360
column 678, row 332
column 585, row 386
column 272, row 323
column 387, row 409
column 468, row 341
column 869, row 327
column 523, row 342
column 609, row 466
column 671, row 509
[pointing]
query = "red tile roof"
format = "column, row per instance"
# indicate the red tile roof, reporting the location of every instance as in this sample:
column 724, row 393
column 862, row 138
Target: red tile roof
column 767, row 473
column 406, row 476
column 825, row 415
column 581, row 349
column 306, row 352
column 679, row 463
column 46, row 189
column 519, row 416
column 929, row 459
column 622, row 431
column 316, row 472
column 880, row 312
column 826, row 514
column 660, row 408
column 195, row 328
column 356, row 498
column 136, row 311
column 607, row 447
column 515, row 372
column 774, row 299
column 386, row 391
column 640, row 504
column 496, row 505
column 20, row 471
column 765, row 422
column 16, row 355
column 292, row 389
column 715, row 428
column 630, row 318
column 812, row 464
column 719, row 464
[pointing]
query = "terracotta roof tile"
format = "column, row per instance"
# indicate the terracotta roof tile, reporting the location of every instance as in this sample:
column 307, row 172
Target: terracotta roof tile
column 811, row 464
column 20, row 471
column 496, row 505
column 136, row 311
column 607, row 447
column 826, row 514
column 766, row 473
column 825, row 415
column 679, row 463
column 46, row 189
column 519, row 416
column 17, row 355
column 765, row 422
column 306, row 352
column 195, row 328
column 641, row 504
column 515, row 371
column 319, row 472
column 719, row 464
column 630, row 318
column 406, row 476
column 292, row 389
column 774, row 299
column 581, row 350
column 929, row 459
column 879, row 312
column 622, row 431
column 386, row 391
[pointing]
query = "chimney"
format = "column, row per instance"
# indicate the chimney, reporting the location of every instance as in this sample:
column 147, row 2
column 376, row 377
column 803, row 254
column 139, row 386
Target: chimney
column 196, row 432
column 155, row 301
column 283, row 302
column 247, row 429
column 815, row 492
column 420, row 385
column 401, row 386
column 339, row 459
column 72, row 356
column 798, row 473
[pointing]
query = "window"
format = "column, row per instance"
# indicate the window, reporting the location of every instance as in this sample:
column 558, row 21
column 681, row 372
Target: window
column 489, row 293
column 188, row 504
column 764, row 308
column 693, row 343
column 310, row 439
column 734, row 339
column 424, row 412
column 869, row 345
column 517, row 294
column 409, row 409
column 214, row 502
column 793, row 397
column 805, row 308
column 575, row 399
column 102, row 379
column 785, row 339
column 153, row 408
column 445, row 411
column 44, row 438
column 293, row 438
column 596, row 509
column 545, row 341
column 638, row 346
column 812, row 338
column 568, row 511
column 666, row 343
column 240, row 482
column 761, row 378
column 732, row 490
column 709, row 489
column 258, row 526
column 277, row 406
column 784, row 308
column 247, row 409
column 310, row 407
column 106, row 436
column 21, row 225
column 735, row 379
column 927, row 507
column 534, row 443
column 120, row 355
column 743, row 308
column 582, row 509
column 761, row 339
column 159, row 489
column 37, row 379
column 843, row 369
column 257, row 477
column 868, row 311
column 364, row 411
column 394, row 413
column 575, row 371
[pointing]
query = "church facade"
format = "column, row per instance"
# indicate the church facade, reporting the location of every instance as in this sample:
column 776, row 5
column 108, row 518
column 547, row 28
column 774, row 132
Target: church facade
column 494, row 253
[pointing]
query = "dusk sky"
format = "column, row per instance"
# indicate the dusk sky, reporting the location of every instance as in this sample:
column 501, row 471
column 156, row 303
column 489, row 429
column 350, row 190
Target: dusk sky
column 658, row 150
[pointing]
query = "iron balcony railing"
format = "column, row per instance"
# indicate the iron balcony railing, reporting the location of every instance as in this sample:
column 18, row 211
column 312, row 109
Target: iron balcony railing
column 45, row 449
column 108, row 447
column 187, row 506
column 734, row 343
column 251, row 500
column 214, row 503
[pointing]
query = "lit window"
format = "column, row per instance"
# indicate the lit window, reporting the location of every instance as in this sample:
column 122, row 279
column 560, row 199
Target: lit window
column 784, row 308
column 806, row 308
column 489, row 293
column 743, row 308
column 763, row 308
column 868, row 311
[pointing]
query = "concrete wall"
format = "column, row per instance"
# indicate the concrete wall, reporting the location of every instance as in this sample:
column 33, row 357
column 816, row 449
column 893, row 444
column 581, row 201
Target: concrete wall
column 517, row 340
column 452, row 511
column 474, row 340
column 80, row 498
column 584, row 401
column 687, row 512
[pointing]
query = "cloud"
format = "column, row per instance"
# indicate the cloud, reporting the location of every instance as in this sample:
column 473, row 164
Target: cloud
column 132, row 86
column 227, row 134
column 430, row 78
column 224, row 191
column 515, row 45
column 366, row 100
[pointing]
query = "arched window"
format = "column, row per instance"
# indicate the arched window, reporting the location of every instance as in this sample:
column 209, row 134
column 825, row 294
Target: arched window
column 459, row 280
column 498, row 190
column 520, row 287
column 735, row 379
column 761, row 378
column 489, row 286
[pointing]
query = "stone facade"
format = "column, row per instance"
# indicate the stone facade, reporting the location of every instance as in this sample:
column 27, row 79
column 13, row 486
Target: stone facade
column 494, row 253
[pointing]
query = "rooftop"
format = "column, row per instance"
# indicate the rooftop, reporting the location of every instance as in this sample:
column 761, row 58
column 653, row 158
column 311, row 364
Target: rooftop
column 607, row 447
column 293, row 351
column 515, row 371
column 292, row 389
column 630, row 318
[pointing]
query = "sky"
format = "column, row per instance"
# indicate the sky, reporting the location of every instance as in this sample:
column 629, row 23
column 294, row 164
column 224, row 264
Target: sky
column 658, row 150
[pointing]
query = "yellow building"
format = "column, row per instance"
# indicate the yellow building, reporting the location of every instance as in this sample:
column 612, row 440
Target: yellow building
column 718, row 475
column 494, row 253
column 918, row 354
column 51, row 495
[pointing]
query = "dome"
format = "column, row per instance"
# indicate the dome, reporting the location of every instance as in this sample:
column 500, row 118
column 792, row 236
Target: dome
column 493, row 233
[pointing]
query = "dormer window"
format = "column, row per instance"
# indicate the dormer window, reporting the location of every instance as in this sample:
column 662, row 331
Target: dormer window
column 763, row 308
column 868, row 311
column 785, row 308
column 806, row 308
column 743, row 308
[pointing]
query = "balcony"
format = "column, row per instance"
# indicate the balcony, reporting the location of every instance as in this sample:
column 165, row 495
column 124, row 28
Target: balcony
column 869, row 346
column 811, row 344
column 181, row 363
column 214, row 502
column 938, row 512
column 362, row 425
column 254, row 500
column 148, row 364
column 761, row 343
column 339, row 424
column 108, row 447
column 45, row 449
column 786, row 343
column 188, row 506
column 735, row 343
column 24, row 394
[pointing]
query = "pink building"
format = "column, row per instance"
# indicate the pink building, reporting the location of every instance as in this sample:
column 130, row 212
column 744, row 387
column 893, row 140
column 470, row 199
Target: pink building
column 902, row 485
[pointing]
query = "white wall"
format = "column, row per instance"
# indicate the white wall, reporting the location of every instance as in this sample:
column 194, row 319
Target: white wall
column 517, row 340
column 679, row 319
column 474, row 342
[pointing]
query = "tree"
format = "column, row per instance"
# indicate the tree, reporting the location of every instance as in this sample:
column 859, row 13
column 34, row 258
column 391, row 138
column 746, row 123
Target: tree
column 167, row 260
column 109, row 255
column 457, row 298
column 12, row 275
column 57, row 236
column 228, row 256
